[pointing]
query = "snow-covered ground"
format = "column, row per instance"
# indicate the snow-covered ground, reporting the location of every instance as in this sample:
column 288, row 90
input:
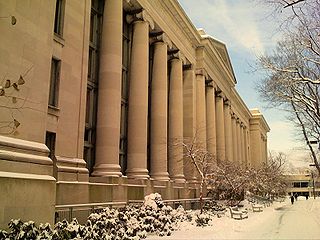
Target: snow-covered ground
column 279, row 221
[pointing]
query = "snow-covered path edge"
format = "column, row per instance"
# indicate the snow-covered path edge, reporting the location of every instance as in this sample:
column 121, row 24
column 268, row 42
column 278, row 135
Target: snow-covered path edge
column 259, row 225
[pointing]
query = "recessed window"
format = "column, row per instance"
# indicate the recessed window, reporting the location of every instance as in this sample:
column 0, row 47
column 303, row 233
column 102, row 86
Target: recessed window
column 58, row 17
column 124, row 95
column 92, row 86
column 54, row 82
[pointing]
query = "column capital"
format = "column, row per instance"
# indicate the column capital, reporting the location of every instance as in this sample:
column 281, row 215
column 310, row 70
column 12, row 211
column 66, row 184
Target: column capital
column 202, row 71
column 211, row 84
column 161, row 37
column 177, row 54
column 187, row 67
column 227, row 102
column 220, row 94
column 140, row 16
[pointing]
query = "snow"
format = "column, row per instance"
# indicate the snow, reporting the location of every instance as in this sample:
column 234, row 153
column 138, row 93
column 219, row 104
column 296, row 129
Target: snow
column 279, row 221
column 284, row 220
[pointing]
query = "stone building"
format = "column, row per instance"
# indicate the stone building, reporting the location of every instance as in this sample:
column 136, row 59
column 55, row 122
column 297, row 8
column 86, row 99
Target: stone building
column 106, row 86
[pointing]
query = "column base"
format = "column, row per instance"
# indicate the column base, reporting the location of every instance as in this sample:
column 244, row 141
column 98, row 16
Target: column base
column 138, row 173
column 107, row 170
column 160, row 176
column 192, row 180
column 178, row 178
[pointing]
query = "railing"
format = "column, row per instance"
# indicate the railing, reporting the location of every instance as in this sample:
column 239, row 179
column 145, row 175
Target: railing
column 187, row 203
column 82, row 211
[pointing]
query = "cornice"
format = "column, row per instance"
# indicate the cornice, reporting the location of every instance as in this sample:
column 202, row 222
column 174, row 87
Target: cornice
column 171, row 18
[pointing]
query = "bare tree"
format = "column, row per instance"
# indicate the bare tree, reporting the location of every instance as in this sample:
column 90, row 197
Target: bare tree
column 202, row 160
column 293, row 71
column 229, row 182
column 269, row 179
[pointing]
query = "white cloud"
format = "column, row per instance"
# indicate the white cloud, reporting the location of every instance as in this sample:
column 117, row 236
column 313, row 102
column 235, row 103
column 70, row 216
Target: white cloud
column 237, row 23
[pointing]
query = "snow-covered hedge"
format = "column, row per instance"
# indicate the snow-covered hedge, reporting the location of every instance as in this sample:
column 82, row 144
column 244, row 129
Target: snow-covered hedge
column 132, row 222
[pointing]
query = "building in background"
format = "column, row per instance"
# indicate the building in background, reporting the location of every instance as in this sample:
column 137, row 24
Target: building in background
column 98, row 91
column 307, row 184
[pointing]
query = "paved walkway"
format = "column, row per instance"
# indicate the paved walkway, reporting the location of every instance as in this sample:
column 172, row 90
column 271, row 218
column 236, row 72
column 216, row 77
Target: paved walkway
column 279, row 221
column 298, row 221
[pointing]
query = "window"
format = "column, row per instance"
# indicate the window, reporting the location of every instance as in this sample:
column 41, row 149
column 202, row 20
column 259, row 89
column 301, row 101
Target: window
column 124, row 95
column 58, row 17
column 92, row 86
column 54, row 82
column 300, row 184
column 51, row 144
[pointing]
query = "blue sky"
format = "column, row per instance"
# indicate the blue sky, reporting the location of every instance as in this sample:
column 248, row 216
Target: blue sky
column 248, row 30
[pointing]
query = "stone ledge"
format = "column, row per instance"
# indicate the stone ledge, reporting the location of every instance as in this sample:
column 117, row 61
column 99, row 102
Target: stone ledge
column 26, row 176
column 24, row 157
column 22, row 145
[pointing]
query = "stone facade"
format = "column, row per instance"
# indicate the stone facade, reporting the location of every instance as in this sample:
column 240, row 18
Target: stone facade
column 102, row 72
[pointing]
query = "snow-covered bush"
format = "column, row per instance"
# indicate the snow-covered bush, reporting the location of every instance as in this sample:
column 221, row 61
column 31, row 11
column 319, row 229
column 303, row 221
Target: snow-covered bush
column 27, row 230
column 203, row 219
column 132, row 222
column 213, row 206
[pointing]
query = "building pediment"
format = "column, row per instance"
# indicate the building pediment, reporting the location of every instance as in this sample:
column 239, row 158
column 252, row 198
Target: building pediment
column 219, row 49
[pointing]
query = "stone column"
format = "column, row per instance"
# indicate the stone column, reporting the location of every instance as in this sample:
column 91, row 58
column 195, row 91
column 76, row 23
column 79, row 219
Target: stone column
column 221, row 148
column 249, row 148
column 211, row 119
column 201, row 135
column 245, row 160
column 138, row 98
column 241, row 145
column 234, row 137
column 261, row 150
column 109, row 102
column 228, row 131
column 266, row 148
column 189, row 116
column 159, row 110
column 176, row 121
column 238, row 142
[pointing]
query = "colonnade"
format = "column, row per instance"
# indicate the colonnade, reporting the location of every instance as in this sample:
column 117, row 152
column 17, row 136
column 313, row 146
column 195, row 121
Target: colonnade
column 188, row 104
column 231, row 134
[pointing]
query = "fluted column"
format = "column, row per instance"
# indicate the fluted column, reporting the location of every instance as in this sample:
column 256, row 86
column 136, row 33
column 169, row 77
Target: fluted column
column 176, row 121
column 220, row 132
column 238, row 142
column 266, row 148
column 228, row 131
column 241, row 145
column 189, row 116
column 211, row 119
column 109, row 98
column 234, row 137
column 249, row 161
column 138, row 99
column 159, row 111
column 201, row 134
column 244, row 146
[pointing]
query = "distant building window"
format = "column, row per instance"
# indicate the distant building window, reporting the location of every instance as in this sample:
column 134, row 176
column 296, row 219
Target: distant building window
column 92, row 86
column 54, row 82
column 58, row 17
column 300, row 184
